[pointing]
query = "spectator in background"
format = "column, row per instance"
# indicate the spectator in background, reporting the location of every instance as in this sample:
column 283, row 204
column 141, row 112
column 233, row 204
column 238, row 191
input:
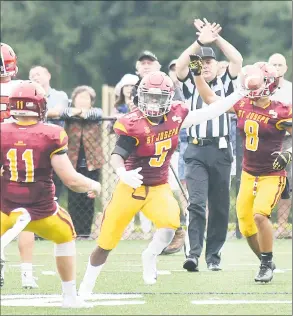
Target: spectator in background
column 57, row 102
column 178, row 241
column 147, row 62
column 283, row 94
column 85, row 153
column 123, row 102
column 123, row 91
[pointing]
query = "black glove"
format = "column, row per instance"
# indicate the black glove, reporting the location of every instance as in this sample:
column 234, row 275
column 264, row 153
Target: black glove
column 195, row 65
column 282, row 160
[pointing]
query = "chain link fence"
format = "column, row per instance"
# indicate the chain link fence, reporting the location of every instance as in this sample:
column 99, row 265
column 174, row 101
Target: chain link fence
column 87, row 213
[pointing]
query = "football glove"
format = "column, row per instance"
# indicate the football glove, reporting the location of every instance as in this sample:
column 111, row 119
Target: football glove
column 282, row 160
column 131, row 177
column 195, row 65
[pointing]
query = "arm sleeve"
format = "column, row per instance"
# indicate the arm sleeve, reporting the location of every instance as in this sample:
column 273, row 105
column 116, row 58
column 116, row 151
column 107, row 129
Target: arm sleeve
column 94, row 114
column 215, row 109
column 59, row 142
column 66, row 113
column 189, row 76
column 124, row 146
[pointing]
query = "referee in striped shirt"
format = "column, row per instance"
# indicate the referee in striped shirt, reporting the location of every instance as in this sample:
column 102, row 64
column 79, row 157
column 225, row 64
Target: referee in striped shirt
column 208, row 156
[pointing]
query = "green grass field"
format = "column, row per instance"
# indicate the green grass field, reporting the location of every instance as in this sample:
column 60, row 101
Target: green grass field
column 229, row 292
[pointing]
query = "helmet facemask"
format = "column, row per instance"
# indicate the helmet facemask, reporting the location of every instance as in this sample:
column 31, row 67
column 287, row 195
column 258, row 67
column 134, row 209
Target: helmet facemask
column 154, row 102
column 269, row 88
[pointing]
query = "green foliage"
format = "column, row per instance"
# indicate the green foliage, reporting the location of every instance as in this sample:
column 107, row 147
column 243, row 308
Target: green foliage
column 96, row 42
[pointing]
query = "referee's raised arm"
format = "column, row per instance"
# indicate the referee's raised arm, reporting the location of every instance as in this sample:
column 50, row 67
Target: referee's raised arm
column 208, row 35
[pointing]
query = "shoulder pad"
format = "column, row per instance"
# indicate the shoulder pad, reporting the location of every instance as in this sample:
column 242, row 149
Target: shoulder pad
column 179, row 108
column 126, row 124
column 241, row 103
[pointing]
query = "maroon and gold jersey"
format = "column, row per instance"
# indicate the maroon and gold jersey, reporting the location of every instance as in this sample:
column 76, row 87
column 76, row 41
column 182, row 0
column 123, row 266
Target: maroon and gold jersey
column 263, row 133
column 155, row 144
column 26, row 152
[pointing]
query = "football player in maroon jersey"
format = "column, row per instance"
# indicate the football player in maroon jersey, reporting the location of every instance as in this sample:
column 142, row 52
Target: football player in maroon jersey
column 26, row 240
column 147, row 139
column 263, row 124
column 30, row 150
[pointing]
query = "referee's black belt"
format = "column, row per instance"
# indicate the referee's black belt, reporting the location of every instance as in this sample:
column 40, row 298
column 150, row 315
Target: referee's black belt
column 205, row 141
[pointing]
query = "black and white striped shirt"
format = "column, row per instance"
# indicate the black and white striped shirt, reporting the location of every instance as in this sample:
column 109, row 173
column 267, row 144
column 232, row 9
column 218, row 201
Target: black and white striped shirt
column 219, row 126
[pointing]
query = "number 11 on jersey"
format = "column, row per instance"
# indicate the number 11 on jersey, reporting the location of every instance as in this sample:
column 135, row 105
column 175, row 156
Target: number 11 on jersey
column 27, row 156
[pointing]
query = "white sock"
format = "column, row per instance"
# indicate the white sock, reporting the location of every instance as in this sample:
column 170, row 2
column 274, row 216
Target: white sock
column 69, row 288
column 161, row 239
column 2, row 256
column 27, row 270
column 91, row 274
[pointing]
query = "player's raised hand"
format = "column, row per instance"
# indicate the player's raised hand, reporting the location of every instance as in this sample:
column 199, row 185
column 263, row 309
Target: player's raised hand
column 207, row 32
column 195, row 64
column 131, row 177
column 95, row 190
column 282, row 160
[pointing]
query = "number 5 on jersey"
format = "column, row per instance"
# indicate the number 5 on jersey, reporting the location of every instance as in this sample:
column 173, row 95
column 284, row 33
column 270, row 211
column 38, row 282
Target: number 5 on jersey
column 27, row 156
column 161, row 150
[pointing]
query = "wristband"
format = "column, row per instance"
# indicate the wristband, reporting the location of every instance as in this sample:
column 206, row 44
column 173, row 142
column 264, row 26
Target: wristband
column 199, row 43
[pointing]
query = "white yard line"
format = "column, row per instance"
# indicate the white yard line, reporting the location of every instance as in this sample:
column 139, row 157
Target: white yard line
column 237, row 302
column 54, row 300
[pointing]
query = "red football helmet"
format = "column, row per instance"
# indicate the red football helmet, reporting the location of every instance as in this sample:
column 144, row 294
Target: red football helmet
column 28, row 99
column 271, row 81
column 155, row 93
column 8, row 61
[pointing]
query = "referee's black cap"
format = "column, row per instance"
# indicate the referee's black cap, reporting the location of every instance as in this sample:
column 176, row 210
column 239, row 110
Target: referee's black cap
column 206, row 52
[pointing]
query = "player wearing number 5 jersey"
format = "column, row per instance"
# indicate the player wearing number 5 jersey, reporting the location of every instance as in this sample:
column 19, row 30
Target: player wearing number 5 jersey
column 147, row 139
column 30, row 150
column 262, row 124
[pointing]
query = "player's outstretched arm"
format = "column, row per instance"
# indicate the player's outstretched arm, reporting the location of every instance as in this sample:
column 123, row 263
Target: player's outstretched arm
column 72, row 179
column 207, row 94
column 215, row 109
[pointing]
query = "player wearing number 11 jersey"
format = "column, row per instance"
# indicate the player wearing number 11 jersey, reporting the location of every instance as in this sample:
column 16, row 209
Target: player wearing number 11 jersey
column 147, row 138
column 30, row 150
column 262, row 124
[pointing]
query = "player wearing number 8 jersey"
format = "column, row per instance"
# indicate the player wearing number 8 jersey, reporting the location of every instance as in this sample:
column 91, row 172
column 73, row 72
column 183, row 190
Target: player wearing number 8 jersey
column 30, row 150
column 262, row 124
column 147, row 139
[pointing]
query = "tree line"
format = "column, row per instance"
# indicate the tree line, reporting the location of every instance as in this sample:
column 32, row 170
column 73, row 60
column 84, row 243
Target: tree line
column 96, row 42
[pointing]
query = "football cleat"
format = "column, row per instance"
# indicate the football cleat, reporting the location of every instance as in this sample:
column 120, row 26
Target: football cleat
column 191, row 264
column 265, row 273
column 74, row 302
column 29, row 283
column 176, row 244
column 2, row 262
column 149, row 264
